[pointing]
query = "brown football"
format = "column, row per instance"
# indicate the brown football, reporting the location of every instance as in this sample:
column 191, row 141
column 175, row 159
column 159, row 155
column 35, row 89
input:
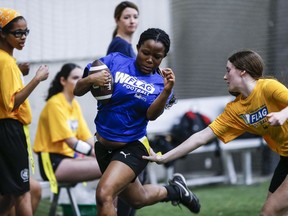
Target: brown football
column 103, row 93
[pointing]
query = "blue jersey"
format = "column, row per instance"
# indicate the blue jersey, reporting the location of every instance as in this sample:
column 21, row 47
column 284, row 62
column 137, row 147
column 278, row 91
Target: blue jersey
column 123, row 118
column 120, row 45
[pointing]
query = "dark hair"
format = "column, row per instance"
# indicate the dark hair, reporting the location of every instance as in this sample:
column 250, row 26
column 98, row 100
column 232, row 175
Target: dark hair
column 155, row 34
column 249, row 61
column 173, row 100
column 56, row 86
column 9, row 26
column 118, row 12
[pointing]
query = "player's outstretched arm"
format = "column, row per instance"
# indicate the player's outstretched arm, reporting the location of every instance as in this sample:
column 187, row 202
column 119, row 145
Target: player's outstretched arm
column 193, row 142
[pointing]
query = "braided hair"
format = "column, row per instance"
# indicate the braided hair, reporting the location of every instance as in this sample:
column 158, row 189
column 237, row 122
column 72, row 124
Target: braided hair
column 155, row 34
column 56, row 86
column 159, row 36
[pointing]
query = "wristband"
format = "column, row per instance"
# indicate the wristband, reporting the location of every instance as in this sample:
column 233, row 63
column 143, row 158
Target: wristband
column 82, row 147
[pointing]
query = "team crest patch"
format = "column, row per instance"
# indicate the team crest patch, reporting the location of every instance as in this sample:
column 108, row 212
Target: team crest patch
column 25, row 175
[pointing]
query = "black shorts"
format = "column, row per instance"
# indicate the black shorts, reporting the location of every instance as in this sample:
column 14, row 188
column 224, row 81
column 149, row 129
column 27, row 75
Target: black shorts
column 130, row 154
column 55, row 161
column 280, row 174
column 14, row 160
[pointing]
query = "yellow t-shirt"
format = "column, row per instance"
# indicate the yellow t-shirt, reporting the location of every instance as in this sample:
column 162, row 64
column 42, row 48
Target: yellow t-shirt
column 11, row 82
column 249, row 115
column 60, row 120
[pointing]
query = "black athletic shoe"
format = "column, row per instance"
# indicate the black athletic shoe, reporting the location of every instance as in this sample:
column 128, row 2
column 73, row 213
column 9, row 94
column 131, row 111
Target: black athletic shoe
column 187, row 197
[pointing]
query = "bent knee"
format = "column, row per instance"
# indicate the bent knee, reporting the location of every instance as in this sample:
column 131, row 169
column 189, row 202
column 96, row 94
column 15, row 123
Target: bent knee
column 103, row 195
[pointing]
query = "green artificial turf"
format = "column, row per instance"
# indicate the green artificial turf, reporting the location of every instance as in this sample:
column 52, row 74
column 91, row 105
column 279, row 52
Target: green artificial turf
column 216, row 200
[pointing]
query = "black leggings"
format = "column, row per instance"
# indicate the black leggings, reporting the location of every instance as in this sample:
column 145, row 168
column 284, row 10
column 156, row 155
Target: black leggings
column 279, row 175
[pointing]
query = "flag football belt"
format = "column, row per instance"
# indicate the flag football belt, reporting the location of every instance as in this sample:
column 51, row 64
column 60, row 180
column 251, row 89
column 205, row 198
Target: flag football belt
column 49, row 172
column 144, row 140
column 29, row 149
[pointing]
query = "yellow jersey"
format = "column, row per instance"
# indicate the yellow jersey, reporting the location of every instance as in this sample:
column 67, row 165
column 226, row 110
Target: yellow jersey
column 58, row 121
column 249, row 115
column 11, row 82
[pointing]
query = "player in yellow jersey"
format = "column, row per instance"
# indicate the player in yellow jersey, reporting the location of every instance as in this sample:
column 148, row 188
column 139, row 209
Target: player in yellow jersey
column 15, row 115
column 260, row 108
column 62, row 132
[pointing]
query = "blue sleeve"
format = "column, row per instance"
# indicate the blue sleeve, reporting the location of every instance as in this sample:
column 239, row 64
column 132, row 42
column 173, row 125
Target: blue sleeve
column 106, row 60
column 86, row 70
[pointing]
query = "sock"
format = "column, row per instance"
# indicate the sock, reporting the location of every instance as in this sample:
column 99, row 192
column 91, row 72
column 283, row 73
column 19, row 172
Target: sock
column 172, row 193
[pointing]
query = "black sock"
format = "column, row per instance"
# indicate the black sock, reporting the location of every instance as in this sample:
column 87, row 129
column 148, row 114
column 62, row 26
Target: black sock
column 172, row 193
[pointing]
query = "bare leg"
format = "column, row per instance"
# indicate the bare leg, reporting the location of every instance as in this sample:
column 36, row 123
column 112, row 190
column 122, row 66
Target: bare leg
column 117, row 180
column 35, row 190
column 23, row 205
column 6, row 203
column 277, row 202
column 78, row 170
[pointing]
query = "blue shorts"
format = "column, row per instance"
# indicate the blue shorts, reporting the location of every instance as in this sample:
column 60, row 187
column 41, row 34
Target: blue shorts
column 130, row 154
column 14, row 160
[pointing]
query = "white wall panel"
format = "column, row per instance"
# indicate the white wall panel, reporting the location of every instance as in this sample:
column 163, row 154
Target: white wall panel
column 72, row 29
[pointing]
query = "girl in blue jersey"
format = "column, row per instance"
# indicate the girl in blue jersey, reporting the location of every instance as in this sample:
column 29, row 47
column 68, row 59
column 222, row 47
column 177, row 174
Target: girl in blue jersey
column 260, row 107
column 141, row 92
column 126, row 17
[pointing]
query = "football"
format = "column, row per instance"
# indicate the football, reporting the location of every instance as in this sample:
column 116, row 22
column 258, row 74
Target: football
column 101, row 93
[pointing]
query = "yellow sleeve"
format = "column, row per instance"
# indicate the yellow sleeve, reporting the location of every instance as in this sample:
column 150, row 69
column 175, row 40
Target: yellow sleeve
column 83, row 132
column 227, row 126
column 277, row 91
column 10, row 82
column 58, row 121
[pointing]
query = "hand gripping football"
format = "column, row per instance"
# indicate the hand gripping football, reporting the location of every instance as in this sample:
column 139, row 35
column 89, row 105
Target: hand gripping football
column 101, row 93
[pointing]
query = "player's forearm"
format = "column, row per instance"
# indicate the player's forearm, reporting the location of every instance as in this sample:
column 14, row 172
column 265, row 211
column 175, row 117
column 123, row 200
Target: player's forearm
column 183, row 149
column 22, row 95
column 82, row 87
column 157, row 107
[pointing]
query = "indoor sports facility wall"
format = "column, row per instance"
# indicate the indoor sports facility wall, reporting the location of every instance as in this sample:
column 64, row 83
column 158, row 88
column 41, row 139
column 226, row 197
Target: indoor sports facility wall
column 72, row 29
column 206, row 32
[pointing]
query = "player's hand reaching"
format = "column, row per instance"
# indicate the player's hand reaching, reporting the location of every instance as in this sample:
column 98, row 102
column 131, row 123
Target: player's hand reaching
column 153, row 157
